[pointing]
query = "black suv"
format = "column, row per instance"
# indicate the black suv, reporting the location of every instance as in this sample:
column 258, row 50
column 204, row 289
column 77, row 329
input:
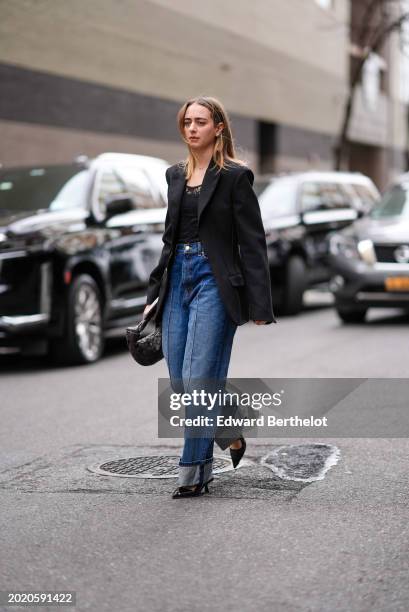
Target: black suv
column 299, row 211
column 77, row 245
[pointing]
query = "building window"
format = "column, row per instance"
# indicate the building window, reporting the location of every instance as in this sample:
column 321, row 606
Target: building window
column 326, row 4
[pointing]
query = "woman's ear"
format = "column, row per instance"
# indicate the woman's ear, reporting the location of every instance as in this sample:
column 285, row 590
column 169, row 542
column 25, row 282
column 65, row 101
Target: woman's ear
column 220, row 128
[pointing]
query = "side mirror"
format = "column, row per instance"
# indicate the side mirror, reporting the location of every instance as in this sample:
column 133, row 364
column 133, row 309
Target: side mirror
column 116, row 205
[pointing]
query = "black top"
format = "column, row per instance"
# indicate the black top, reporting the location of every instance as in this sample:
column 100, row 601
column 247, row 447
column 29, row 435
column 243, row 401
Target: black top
column 188, row 231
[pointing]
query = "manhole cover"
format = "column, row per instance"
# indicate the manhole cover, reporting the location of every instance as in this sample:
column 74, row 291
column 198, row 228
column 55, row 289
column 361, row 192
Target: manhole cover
column 156, row 466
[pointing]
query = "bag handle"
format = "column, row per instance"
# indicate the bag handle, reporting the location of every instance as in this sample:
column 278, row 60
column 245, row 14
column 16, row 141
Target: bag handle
column 142, row 324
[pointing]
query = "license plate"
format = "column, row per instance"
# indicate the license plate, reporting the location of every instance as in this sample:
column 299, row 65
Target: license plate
column 397, row 283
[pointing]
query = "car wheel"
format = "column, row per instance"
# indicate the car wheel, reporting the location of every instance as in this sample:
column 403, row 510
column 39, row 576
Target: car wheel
column 83, row 340
column 294, row 286
column 352, row 315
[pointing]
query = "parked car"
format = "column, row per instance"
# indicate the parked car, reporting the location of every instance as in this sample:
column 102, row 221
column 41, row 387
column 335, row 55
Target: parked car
column 298, row 212
column 77, row 245
column 370, row 259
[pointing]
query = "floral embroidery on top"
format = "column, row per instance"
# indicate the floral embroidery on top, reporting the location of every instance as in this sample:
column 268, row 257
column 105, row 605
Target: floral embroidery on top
column 193, row 190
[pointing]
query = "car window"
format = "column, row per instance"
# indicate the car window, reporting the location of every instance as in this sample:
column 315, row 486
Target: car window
column 74, row 193
column 157, row 175
column 311, row 197
column 139, row 186
column 36, row 188
column 278, row 199
column 367, row 197
column 323, row 196
column 393, row 203
column 109, row 184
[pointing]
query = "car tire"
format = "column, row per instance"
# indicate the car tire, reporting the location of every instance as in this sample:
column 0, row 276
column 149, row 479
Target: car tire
column 83, row 339
column 294, row 286
column 352, row 315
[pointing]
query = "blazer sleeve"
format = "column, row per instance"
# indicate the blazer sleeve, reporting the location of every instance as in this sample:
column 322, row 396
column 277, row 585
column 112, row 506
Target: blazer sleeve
column 253, row 248
column 157, row 273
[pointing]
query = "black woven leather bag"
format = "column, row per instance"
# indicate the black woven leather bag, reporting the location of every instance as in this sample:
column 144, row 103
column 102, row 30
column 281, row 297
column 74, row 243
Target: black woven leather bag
column 146, row 350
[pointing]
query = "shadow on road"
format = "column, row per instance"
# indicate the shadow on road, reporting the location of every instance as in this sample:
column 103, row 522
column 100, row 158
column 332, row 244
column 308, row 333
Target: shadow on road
column 24, row 363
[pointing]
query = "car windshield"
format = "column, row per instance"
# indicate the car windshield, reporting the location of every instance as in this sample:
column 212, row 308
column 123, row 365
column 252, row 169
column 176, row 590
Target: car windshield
column 260, row 184
column 393, row 203
column 279, row 198
column 52, row 187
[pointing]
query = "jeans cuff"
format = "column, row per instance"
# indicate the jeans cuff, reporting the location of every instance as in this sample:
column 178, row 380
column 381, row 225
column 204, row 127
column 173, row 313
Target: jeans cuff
column 194, row 474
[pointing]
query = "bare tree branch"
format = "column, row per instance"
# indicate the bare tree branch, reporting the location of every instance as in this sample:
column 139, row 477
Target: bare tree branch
column 376, row 38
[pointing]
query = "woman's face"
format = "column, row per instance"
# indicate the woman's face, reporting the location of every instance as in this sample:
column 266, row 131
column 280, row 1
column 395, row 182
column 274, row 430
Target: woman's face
column 199, row 129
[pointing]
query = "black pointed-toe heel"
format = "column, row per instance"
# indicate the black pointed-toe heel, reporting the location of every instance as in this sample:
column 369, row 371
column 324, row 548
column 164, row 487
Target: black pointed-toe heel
column 237, row 453
column 185, row 492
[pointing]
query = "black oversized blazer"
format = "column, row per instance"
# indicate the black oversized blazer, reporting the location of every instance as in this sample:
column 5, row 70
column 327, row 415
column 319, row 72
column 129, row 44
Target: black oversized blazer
column 231, row 230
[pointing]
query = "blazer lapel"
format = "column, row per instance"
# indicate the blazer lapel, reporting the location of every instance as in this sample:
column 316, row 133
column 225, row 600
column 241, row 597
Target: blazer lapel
column 177, row 187
column 209, row 183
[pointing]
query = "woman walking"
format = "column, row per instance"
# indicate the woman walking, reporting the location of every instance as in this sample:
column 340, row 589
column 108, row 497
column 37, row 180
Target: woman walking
column 213, row 273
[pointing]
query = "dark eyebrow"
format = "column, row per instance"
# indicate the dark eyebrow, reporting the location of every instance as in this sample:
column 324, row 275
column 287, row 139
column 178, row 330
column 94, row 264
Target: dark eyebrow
column 203, row 118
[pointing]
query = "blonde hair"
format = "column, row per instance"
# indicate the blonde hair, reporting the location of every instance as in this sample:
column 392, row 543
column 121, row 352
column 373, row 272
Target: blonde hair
column 223, row 150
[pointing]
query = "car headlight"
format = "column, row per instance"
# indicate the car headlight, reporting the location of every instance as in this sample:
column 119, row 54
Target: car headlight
column 351, row 248
column 366, row 251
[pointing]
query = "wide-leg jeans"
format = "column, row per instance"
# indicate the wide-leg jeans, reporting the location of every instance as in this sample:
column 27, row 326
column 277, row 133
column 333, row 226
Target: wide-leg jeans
column 197, row 339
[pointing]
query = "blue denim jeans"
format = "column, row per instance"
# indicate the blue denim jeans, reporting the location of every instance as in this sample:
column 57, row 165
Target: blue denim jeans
column 197, row 339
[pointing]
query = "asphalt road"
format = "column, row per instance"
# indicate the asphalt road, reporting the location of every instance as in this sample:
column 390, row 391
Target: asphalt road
column 257, row 542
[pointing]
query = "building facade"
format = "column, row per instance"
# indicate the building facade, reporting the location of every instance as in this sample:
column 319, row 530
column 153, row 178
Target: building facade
column 104, row 75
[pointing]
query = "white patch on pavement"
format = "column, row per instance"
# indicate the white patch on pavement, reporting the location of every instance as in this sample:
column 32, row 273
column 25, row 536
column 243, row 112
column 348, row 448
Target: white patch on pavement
column 302, row 462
